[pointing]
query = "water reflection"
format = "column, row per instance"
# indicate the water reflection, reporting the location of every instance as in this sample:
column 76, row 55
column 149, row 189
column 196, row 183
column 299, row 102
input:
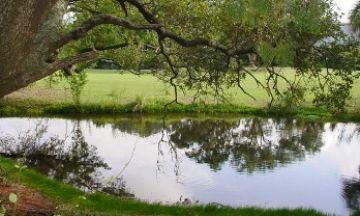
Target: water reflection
column 140, row 126
column 351, row 192
column 249, row 144
column 228, row 161
column 71, row 160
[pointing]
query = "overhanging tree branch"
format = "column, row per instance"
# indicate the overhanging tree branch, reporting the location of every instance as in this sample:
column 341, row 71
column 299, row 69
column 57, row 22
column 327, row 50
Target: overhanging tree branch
column 105, row 48
column 182, row 41
column 173, row 70
column 84, row 55
column 154, row 25
column 65, row 63
column 101, row 19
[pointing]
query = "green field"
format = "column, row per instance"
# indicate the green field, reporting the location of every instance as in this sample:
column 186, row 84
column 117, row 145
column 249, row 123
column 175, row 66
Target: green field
column 113, row 92
column 106, row 86
column 116, row 87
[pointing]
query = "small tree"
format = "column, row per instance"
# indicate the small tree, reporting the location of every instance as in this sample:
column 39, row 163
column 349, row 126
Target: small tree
column 77, row 82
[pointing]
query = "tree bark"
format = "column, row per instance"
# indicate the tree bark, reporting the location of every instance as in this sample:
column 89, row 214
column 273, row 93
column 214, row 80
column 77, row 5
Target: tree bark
column 31, row 36
column 27, row 27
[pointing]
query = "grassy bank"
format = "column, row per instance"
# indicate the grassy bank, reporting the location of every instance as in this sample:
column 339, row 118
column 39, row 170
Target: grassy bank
column 72, row 201
column 35, row 108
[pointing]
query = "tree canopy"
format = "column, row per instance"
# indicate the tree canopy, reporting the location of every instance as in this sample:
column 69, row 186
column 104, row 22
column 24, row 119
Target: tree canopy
column 355, row 17
column 203, row 44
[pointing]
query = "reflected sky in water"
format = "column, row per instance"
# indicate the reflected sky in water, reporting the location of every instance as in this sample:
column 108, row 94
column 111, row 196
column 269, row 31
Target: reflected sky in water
column 238, row 162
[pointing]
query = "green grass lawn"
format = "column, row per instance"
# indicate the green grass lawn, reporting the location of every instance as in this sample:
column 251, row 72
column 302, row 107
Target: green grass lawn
column 110, row 86
column 111, row 92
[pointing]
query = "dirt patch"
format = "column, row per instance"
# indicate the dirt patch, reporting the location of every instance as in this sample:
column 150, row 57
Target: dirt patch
column 30, row 202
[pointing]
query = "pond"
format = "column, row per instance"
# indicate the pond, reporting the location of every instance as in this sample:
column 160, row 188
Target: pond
column 263, row 162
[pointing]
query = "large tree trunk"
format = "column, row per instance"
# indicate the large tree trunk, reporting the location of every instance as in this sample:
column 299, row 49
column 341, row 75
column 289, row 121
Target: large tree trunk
column 30, row 38
column 28, row 28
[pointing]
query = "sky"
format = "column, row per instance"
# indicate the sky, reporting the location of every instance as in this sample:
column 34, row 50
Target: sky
column 345, row 6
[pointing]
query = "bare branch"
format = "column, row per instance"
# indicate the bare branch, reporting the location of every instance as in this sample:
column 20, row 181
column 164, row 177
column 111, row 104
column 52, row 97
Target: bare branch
column 84, row 55
column 173, row 70
column 104, row 48
column 65, row 63
column 238, row 79
column 123, row 6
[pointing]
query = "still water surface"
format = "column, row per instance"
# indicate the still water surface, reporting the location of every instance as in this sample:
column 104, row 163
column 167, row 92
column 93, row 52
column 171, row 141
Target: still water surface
column 260, row 162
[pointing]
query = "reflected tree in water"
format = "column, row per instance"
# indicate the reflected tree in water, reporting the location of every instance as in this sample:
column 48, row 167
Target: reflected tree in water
column 74, row 162
column 351, row 192
column 249, row 144
column 134, row 125
column 206, row 141
column 267, row 143
column 70, row 160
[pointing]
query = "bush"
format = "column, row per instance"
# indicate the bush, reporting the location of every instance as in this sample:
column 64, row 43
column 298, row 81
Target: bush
column 77, row 83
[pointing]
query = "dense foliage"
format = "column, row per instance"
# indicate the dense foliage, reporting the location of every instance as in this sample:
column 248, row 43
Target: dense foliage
column 206, row 45
column 243, row 36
